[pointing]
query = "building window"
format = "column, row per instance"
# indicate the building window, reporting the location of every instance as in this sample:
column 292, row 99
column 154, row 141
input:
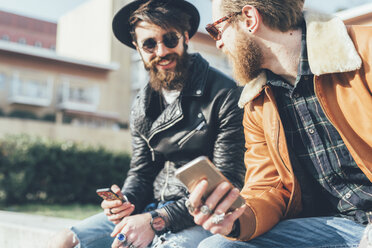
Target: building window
column 22, row 41
column 30, row 88
column 38, row 44
column 80, row 95
column 33, row 88
column 5, row 37
column 75, row 95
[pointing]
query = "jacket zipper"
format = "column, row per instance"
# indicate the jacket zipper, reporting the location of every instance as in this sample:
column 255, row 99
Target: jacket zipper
column 166, row 181
column 161, row 129
column 151, row 149
column 190, row 134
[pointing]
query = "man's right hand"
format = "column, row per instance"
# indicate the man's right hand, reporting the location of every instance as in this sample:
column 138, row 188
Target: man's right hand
column 117, row 210
column 220, row 207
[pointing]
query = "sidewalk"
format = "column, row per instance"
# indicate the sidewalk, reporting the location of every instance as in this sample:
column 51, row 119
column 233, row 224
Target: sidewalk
column 25, row 230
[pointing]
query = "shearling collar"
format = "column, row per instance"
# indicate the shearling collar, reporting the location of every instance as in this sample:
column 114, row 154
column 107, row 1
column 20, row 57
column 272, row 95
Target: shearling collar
column 329, row 48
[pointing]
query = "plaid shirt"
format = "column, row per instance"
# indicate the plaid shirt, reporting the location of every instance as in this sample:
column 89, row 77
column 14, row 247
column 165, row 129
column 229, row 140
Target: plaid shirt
column 331, row 182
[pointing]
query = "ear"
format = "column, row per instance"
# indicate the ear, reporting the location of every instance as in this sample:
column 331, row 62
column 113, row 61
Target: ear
column 252, row 18
column 187, row 39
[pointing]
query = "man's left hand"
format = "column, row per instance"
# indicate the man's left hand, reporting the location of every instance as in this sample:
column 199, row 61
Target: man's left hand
column 137, row 230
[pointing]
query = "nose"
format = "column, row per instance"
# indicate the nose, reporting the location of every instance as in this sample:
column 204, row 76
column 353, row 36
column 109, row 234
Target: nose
column 161, row 50
column 219, row 44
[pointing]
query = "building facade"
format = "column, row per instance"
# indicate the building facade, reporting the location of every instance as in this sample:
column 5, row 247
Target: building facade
column 74, row 74
column 27, row 31
column 85, row 33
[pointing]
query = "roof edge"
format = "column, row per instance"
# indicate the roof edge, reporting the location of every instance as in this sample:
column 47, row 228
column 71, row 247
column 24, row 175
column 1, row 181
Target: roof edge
column 52, row 55
column 355, row 12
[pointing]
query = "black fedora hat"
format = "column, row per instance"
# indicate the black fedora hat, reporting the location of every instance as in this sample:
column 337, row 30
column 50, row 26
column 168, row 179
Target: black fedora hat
column 122, row 28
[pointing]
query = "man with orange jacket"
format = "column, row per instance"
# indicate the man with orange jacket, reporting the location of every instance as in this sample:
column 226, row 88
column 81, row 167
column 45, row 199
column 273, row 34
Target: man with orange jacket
column 308, row 126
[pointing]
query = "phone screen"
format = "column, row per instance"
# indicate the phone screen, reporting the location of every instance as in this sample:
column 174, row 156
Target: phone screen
column 108, row 194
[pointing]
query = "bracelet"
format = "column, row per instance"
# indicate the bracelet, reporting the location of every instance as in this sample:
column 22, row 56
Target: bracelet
column 163, row 213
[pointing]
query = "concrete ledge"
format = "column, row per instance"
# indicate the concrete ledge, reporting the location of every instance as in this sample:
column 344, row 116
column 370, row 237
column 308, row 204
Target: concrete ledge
column 27, row 230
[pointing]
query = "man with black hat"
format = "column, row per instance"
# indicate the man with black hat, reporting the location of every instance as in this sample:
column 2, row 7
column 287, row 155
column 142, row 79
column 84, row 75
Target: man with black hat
column 187, row 109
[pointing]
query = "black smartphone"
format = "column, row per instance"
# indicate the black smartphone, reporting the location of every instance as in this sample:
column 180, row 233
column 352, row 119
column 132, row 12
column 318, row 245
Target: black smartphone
column 108, row 194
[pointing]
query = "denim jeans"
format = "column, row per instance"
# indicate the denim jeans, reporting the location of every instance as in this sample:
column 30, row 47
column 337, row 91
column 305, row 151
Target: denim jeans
column 300, row 233
column 94, row 232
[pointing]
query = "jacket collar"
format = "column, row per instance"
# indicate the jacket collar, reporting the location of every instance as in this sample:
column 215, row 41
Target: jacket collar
column 198, row 76
column 147, row 99
column 329, row 47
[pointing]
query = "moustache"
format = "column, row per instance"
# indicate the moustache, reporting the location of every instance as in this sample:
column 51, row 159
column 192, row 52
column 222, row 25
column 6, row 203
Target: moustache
column 157, row 59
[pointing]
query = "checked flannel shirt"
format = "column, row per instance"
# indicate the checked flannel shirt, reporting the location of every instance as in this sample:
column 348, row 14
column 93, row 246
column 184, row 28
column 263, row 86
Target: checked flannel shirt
column 331, row 182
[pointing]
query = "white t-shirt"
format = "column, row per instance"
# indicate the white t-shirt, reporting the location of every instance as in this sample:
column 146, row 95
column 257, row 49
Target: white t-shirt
column 170, row 95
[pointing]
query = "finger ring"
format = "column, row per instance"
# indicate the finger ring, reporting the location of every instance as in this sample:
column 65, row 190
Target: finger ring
column 132, row 246
column 121, row 237
column 110, row 211
column 205, row 209
column 189, row 206
column 218, row 218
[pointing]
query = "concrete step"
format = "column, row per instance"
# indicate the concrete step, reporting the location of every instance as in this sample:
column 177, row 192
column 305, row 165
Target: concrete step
column 18, row 230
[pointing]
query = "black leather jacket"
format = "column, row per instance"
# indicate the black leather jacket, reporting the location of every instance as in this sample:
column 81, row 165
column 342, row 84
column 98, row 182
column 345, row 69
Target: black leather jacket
column 204, row 120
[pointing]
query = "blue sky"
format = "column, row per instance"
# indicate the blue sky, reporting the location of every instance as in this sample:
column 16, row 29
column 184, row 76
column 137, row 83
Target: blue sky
column 52, row 9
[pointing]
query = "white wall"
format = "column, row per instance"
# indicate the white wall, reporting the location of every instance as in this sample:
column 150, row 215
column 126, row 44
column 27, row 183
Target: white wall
column 85, row 32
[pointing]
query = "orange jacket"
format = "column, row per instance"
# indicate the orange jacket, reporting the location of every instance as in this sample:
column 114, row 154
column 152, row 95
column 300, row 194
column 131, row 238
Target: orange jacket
column 340, row 59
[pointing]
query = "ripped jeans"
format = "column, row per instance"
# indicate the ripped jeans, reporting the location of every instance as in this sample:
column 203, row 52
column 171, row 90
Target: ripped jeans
column 190, row 237
column 94, row 232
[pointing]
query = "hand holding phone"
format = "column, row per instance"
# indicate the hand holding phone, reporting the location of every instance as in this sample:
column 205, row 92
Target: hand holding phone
column 114, row 209
column 202, row 168
column 109, row 195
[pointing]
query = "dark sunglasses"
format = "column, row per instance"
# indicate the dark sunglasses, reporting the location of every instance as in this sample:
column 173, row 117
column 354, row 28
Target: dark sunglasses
column 170, row 40
column 213, row 31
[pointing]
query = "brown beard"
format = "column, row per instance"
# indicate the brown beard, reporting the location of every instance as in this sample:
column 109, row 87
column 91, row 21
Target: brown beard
column 173, row 79
column 247, row 59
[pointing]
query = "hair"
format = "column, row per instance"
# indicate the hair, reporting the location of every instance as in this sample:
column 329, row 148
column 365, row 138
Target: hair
column 283, row 15
column 161, row 13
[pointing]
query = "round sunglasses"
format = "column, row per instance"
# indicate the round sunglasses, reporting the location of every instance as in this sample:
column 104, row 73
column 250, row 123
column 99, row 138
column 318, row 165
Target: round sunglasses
column 169, row 40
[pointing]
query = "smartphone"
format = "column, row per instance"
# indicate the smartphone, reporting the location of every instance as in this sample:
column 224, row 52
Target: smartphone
column 108, row 194
column 202, row 168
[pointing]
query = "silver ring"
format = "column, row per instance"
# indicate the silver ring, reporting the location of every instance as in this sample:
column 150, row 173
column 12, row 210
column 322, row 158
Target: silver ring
column 131, row 246
column 218, row 218
column 121, row 237
column 189, row 206
column 205, row 209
